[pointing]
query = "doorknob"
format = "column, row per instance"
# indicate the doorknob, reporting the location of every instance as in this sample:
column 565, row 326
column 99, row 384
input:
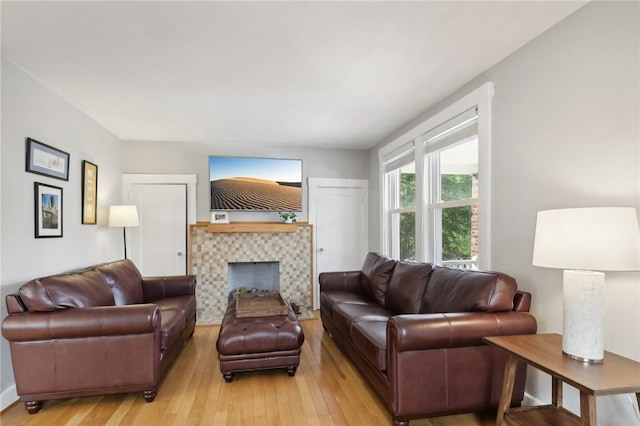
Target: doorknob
column 179, row 253
column 321, row 250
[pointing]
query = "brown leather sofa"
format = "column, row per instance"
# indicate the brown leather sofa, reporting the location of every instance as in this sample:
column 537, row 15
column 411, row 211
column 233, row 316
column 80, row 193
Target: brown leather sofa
column 100, row 330
column 415, row 332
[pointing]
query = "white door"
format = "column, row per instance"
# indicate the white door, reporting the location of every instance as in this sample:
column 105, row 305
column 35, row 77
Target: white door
column 159, row 244
column 339, row 214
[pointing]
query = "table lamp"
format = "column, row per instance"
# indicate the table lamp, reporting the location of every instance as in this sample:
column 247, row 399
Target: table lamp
column 581, row 241
column 123, row 216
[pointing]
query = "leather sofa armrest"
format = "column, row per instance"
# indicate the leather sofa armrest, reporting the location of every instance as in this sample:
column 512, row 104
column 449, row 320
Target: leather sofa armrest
column 154, row 288
column 341, row 281
column 522, row 301
column 80, row 323
column 437, row 331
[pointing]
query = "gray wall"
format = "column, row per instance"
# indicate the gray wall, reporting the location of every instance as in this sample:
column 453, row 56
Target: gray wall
column 566, row 133
column 31, row 110
column 193, row 158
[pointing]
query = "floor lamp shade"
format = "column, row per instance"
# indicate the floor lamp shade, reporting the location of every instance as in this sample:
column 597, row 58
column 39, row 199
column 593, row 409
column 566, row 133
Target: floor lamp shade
column 582, row 241
column 123, row 216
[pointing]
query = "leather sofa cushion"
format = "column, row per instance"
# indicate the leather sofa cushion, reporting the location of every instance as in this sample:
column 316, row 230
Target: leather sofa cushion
column 75, row 290
column 456, row 290
column 171, row 325
column 184, row 304
column 125, row 281
column 370, row 338
column 328, row 299
column 406, row 287
column 376, row 272
column 345, row 315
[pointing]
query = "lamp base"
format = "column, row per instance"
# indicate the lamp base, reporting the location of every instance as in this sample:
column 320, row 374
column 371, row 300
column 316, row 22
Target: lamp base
column 583, row 296
column 577, row 358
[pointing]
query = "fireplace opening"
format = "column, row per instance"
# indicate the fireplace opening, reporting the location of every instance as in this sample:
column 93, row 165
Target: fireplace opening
column 253, row 276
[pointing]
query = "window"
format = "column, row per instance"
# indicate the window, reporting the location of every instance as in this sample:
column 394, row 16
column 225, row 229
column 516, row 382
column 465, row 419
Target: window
column 451, row 186
column 436, row 187
column 402, row 211
column 400, row 185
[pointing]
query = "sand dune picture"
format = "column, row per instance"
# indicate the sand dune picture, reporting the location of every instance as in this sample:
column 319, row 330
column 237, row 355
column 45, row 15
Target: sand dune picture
column 268, row 185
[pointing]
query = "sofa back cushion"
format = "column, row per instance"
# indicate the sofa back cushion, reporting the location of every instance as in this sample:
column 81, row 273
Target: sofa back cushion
column 406, row 287
column 459, row 290
column 376, row 272
column 74, row 290
column 125, row 281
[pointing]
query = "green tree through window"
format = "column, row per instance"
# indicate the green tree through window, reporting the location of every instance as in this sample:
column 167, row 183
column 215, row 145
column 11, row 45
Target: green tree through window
column 456, row 221
column 407, row 219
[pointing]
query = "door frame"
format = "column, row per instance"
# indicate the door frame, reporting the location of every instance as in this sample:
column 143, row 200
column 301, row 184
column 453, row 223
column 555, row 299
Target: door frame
column 314, row 184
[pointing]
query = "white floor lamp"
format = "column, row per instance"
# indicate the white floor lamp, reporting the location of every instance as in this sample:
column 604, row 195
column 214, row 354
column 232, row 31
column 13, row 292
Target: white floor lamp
column 123, row 216
column 582, row 241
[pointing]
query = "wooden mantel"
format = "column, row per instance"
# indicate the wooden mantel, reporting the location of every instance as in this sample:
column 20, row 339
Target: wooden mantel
column 251, row 226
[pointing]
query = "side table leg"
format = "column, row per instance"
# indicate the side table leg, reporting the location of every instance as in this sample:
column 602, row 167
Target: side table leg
column 587, row 409
column 507, row 389
column 556, row 392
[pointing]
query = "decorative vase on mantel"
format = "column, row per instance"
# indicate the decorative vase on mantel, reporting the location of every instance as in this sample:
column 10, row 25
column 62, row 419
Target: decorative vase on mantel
column 288, row 217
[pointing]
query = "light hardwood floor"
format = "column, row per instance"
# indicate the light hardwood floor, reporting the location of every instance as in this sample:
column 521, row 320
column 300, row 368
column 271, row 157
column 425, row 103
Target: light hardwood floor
column 326, row 390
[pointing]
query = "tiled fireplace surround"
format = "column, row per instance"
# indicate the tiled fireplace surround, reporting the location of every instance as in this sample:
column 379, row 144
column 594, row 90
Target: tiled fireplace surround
column 213, row 247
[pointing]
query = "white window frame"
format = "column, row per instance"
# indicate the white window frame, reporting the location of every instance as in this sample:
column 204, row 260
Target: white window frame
column 480, row 98
column 394, row 211
column 433, row 207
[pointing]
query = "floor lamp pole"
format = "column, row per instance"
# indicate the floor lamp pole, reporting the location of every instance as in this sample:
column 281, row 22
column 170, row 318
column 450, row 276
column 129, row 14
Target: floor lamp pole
column 124, row 233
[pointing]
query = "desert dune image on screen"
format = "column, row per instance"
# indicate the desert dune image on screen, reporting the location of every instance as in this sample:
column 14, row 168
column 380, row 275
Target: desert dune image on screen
column 267, row 184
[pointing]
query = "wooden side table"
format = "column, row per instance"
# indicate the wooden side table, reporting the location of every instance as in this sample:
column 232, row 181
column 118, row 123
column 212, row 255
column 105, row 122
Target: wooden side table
column 615, row 375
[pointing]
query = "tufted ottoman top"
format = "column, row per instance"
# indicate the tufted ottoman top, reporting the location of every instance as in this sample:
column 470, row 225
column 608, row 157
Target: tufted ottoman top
column 258, row 334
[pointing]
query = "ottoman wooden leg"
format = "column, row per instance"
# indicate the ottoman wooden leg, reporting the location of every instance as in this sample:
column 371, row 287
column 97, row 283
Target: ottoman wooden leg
column 291, row 371
column 228, row 377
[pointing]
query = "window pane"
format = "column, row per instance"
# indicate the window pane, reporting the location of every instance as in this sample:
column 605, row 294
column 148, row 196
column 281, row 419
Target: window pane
column 408, row 236
column 408, row 186
column 455, row 187
column 459, row 171
column 460, row 236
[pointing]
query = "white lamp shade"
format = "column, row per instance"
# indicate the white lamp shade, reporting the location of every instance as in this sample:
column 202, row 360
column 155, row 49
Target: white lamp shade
column 123, row 216
column 595, row 239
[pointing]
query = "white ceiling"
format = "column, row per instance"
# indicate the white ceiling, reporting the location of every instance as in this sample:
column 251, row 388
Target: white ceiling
column 323, row 74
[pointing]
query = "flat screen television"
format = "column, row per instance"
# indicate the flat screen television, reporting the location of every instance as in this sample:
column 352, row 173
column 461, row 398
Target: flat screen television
column 249, row 184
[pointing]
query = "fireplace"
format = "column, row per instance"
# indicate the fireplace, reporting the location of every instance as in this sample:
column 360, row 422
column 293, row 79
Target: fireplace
column 215, row 247
column 246, row 276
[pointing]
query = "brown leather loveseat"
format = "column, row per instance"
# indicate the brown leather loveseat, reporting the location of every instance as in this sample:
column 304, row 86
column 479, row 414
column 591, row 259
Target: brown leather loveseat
column 100, row 330
column 415, row 332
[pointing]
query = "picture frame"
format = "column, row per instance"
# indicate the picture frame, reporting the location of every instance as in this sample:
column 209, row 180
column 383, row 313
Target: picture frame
column 43, row 159
column 89, row 193
column 219, row 217
column 48, row 210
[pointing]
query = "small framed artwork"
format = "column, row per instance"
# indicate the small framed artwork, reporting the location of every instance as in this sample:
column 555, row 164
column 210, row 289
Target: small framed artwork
column 219, row 217
column 46, row 160
column 48, row 210
column 89, row 193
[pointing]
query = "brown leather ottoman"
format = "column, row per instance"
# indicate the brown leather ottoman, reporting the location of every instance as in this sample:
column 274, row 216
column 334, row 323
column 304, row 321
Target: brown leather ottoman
column 258, row 343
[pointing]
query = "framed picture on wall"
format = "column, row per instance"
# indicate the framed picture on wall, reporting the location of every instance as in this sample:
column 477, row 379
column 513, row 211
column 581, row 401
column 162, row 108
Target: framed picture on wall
column 219, row 217
column 89, row 193
column 48, row 210
column 46, row 160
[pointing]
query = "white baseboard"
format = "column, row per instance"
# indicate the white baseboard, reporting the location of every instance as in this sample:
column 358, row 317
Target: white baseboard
column 8, row 397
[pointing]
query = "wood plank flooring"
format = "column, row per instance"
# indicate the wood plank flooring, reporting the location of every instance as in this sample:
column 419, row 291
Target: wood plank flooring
column 326, row 390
